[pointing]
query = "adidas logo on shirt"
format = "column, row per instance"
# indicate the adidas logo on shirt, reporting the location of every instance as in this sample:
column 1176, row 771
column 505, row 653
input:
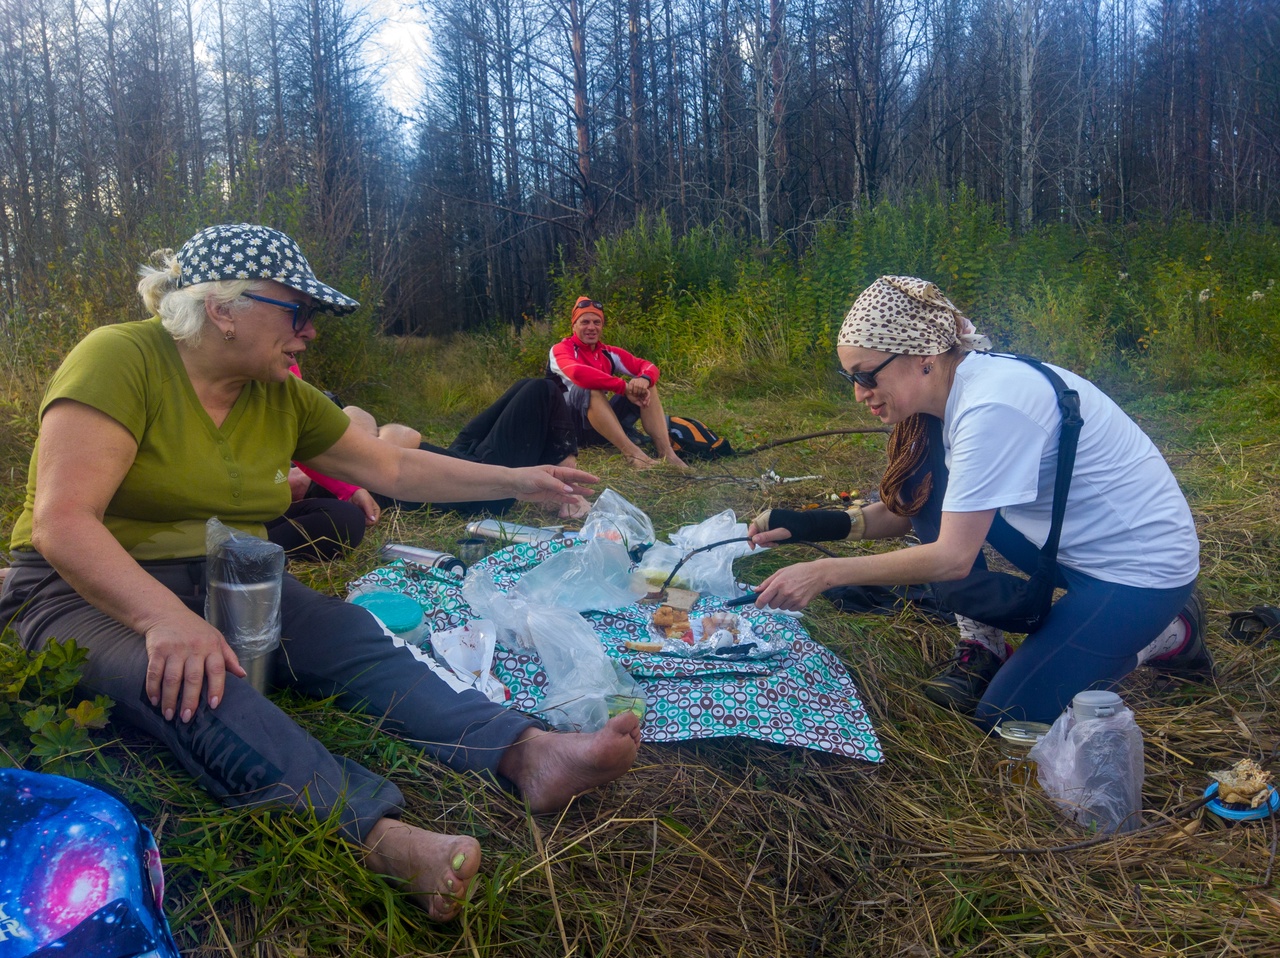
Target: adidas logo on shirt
column 280, row 477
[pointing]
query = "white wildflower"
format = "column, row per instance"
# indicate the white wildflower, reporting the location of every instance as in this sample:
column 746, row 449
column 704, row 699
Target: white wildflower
column 1257, row 295
column 1122, row 277
column 1204, row 296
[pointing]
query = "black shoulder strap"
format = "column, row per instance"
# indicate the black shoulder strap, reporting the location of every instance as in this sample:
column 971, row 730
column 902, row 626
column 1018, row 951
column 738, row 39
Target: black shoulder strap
column 1072, row 421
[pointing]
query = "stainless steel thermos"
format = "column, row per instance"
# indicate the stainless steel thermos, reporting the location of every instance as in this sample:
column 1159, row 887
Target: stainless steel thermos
column 243, row 602
column 509, row 531
column 426, row 558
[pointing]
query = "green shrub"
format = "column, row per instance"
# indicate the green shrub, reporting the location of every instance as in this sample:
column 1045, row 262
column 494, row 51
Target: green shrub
column 43, row 724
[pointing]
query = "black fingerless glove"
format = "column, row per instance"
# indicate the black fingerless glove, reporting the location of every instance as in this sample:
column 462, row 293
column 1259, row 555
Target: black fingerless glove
column 811, row 525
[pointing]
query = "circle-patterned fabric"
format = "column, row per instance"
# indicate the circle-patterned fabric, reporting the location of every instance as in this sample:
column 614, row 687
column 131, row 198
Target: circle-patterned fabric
column 909, row 317
column 247, row 251
column 803, row 697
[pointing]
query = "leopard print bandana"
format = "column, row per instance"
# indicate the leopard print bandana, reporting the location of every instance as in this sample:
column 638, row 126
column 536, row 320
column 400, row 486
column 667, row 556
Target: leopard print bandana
column 908, row 316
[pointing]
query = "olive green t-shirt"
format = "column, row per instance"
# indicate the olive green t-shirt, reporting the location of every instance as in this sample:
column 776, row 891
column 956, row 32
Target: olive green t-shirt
column 187, row 470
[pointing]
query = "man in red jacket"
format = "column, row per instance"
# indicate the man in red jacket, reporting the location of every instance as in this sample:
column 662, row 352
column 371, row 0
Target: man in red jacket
column 602, row 400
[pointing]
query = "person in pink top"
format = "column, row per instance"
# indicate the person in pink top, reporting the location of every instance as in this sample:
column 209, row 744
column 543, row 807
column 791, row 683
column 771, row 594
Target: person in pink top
column 608, row 389
column 327, row 516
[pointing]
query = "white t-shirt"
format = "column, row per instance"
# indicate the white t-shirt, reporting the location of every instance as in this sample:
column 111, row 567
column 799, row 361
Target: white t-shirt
column 1126, row 521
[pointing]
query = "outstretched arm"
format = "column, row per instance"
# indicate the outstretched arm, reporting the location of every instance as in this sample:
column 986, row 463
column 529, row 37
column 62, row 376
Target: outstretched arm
column 950, row 557
column 420, row 476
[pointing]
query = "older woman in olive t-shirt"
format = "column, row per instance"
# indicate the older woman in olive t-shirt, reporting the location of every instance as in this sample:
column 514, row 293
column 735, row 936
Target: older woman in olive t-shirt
column 151, row 428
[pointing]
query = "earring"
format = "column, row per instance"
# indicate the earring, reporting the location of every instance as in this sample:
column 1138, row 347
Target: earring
column 229, row 335
column 928, row 370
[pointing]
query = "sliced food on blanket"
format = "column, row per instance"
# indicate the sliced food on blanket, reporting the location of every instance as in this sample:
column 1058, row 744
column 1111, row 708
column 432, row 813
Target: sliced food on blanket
column 682, row 600
column 636, row 646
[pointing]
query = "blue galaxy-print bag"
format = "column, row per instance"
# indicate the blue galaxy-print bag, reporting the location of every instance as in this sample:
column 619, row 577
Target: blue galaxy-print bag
column 79, row 874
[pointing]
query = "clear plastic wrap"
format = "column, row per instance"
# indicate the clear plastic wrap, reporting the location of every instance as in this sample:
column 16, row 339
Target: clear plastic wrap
column 593, row 576
column 1093, row 769
column 613, row 517
column 584, row 685
column 710, row 572
column 242, row 597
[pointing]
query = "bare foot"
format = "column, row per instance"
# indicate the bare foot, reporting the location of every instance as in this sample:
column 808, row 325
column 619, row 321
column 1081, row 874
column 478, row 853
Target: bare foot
column 550, row 768
column 575, row 510
column 671, row 457
column 436, row 868
column 642, row 462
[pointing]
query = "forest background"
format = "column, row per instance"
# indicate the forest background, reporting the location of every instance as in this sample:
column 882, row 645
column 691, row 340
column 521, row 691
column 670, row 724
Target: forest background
column 1094, row 182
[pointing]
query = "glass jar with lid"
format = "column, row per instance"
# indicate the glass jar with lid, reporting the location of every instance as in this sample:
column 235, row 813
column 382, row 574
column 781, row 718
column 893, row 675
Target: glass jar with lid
column 1016, row 769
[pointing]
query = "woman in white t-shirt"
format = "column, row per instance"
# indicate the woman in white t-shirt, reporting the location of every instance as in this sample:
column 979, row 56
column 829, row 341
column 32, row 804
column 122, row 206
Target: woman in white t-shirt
column 972, row 460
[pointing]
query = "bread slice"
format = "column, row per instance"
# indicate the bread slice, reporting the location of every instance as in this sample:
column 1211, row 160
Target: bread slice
column 682, row 599
column 635, row 646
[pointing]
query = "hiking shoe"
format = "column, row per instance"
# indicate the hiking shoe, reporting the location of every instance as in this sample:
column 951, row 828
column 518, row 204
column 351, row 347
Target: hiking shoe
column 1192, row 662
column 965, row 677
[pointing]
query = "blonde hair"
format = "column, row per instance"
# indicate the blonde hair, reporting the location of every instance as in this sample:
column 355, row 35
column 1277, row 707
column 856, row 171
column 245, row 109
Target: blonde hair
column 181, row 308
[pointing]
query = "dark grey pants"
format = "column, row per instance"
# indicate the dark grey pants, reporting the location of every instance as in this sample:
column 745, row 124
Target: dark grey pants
column 247, row 751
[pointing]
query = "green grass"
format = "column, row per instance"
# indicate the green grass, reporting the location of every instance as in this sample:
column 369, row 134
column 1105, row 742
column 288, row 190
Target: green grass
column 739, row 848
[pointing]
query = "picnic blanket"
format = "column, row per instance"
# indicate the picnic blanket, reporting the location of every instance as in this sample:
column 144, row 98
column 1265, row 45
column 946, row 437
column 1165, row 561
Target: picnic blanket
column 803, row 696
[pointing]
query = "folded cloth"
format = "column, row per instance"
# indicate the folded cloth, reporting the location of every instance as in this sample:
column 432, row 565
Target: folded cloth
column 1258, row 624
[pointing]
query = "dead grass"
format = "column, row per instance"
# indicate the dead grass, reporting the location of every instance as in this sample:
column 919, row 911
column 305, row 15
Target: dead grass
column 739, row 848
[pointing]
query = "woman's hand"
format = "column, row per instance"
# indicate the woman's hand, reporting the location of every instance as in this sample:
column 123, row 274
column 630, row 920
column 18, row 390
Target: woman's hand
column 795, row 586
column 559, row 484
column 181, row 658
column 767, row 537
column 363, row 498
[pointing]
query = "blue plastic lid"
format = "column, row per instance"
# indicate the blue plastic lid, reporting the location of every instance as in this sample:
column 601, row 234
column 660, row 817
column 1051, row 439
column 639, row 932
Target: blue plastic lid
column 1223, row 810
column 397, row 612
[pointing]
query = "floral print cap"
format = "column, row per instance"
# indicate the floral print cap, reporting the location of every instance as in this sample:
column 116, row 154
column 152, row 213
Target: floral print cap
column 246, row 251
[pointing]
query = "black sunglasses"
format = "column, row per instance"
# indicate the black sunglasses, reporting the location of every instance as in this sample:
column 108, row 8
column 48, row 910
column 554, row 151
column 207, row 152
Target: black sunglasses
column 302, row 312
column 866, row 378
column 584, row 301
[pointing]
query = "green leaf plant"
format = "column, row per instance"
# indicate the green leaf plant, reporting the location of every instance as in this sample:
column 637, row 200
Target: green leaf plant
column 44, row 724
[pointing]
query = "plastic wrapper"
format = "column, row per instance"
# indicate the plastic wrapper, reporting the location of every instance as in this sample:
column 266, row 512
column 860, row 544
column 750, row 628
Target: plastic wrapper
column 242, row 597
column 468, row 652
column 584, row 685
column 593, row 576
column 710, row 572
column 1093, row 770
column 613, row 517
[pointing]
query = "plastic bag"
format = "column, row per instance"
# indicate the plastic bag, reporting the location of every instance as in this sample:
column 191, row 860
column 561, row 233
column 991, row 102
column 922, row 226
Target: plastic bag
column 468, row 651
column 613, row 517
column 1093, row 769
column 593, row 576
column 709, row 572
column 509, row 615
column 584, row 686
column 242, row 595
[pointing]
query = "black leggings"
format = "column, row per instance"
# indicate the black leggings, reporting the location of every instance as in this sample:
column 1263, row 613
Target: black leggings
column 529, row 425
column 318, row 528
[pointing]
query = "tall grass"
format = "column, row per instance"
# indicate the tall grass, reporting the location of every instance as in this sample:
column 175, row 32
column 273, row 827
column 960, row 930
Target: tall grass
column 738, row 847
column 1168, row 305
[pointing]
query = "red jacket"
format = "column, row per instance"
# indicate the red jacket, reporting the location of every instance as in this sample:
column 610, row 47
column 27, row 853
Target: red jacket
column 578, row 364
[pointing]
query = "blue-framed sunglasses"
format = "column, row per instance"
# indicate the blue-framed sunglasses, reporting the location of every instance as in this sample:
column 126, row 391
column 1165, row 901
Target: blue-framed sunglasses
column 866, row 378
column 302, row 312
